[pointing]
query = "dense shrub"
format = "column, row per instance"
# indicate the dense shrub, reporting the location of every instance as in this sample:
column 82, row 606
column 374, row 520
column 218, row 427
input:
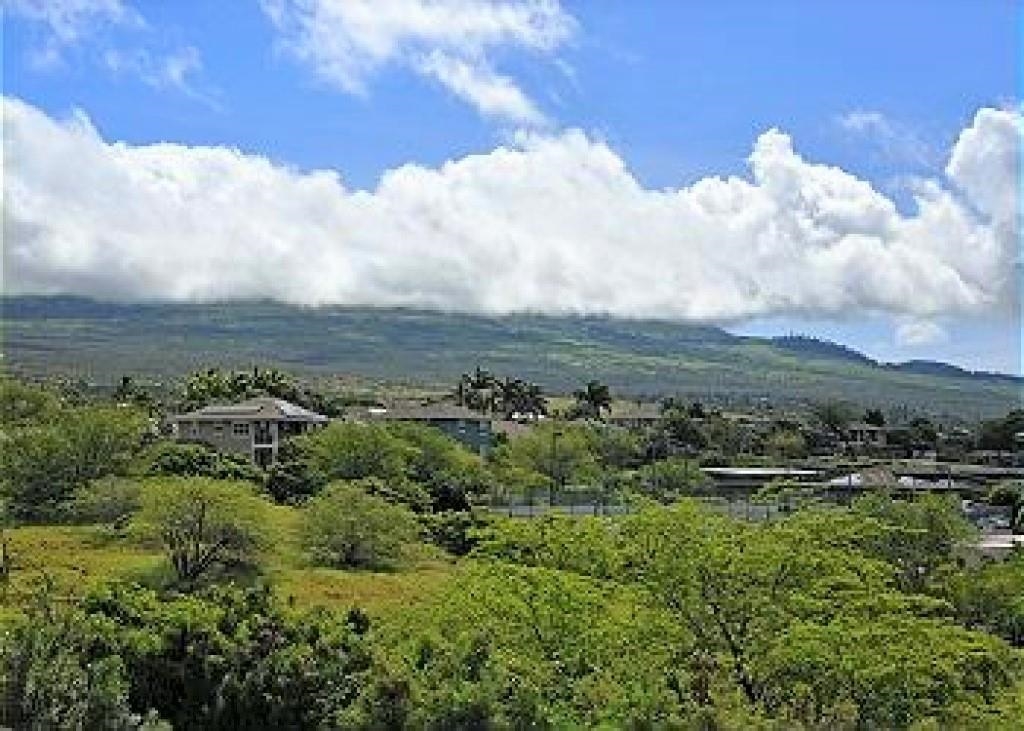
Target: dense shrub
column 344, row 527
column 402, row 459
column 54, row 677
column 179, row 459
column 42, row 465
column 111, row 501
column 233, row 659
column 669, row 479
column 226, row 659
column 990, row 597
column 22, row 404
column 456, row 531
column 205, row 525
column 513, row 647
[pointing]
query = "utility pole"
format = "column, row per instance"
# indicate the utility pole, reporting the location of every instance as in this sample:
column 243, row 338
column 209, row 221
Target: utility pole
column 555, row 470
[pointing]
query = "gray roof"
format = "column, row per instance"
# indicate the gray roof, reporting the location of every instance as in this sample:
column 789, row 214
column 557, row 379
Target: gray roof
column 254, row 409
column 644, row 410
column 428, row 412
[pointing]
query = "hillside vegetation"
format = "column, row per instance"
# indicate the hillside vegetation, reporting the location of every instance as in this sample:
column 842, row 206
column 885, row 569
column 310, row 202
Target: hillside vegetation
column 101, row 341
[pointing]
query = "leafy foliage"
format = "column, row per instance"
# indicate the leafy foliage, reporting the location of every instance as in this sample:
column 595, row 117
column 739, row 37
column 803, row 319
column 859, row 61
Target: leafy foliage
column 920, row 538
column 42, row 465
column 557, row 453
column 667, row 480
column 181, row 459
column 344, row 527
column 111, row 501
column 592, row 401
column 1002, row 433
column 515, row 647
column 990, row 597
column 1010, row 494
column 54, row 678
column 405, row 459
column 227, row 659
column 804, row 618
column 785, row 444
column 456, row 531
column 510, row 397
column 833, row 416
column 23, row 404
column 205, row 524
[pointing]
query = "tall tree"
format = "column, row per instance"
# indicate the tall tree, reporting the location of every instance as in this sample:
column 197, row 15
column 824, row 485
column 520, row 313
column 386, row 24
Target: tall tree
column 833, row 416
column 593, row 400
column 874, row 417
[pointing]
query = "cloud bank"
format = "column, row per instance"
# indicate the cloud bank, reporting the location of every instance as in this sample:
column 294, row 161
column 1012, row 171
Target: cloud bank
column 552, row 223
column 449, row 41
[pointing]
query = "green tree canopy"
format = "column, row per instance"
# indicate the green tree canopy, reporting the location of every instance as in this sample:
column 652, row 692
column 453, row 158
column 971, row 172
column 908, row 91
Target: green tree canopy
column 560, row 453
column 41, row 466
column 592, row 401
column 344, row 527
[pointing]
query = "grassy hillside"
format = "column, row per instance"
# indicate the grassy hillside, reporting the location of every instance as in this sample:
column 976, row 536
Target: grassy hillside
column 100, row 341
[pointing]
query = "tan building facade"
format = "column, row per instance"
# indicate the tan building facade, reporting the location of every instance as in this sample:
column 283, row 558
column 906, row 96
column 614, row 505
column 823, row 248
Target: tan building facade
column 255, row 428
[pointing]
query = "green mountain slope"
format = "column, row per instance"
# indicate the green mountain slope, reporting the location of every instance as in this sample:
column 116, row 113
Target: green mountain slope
column 100, row 341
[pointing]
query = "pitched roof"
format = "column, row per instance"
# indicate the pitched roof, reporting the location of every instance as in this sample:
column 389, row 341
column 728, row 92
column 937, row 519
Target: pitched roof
column 254, row 409
column 861, row 426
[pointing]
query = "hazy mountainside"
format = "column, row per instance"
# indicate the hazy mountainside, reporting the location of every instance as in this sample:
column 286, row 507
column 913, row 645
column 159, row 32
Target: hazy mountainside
column 100, row 341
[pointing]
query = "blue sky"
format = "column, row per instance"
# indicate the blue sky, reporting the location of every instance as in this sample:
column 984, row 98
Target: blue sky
column 679, row 91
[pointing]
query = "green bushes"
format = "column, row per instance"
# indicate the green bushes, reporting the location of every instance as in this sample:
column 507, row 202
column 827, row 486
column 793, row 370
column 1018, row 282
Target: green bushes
column 669, row 479
column 990, row 597
column 806, row 621
column 456, row 531
column 111, row 501
column 54, row 679
column 177, row 459
column 225, row 659
column 670, row 617
column 515, row 647
column 205, row 525
column 345, row 527
column 402, row 458
column 42, row 465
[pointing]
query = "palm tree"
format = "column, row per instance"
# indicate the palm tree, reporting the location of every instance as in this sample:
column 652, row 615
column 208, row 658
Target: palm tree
column 594, row 399
column 478, row 391
column 534, row 402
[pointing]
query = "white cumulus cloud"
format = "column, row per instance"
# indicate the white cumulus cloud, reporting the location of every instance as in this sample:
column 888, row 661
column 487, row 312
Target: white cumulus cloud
column 450, row 41
column 550, row 223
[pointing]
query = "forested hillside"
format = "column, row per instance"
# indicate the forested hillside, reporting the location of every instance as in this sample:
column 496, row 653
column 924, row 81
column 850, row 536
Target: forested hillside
column 101, row 341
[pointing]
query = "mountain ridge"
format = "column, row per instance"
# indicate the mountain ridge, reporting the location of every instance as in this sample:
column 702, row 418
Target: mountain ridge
column 642, row 357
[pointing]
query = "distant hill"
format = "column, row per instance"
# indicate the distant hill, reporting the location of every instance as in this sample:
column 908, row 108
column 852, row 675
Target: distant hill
column 101, row 340
column 811, row 347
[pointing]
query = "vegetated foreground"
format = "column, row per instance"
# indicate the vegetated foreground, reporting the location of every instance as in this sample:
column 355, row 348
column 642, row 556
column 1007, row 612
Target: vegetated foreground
column 149, row 583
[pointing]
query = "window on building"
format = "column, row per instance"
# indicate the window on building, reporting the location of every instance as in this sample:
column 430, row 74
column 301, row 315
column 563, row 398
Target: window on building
column 240, row 429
